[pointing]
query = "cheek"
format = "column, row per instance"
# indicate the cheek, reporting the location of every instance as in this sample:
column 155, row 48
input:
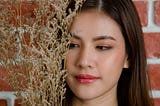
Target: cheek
column 70, row 68
column 112, row 62
column 111, row 69
column 70, row 60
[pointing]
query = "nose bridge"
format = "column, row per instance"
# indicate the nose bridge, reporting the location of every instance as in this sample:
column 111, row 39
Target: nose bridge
column 85, row 57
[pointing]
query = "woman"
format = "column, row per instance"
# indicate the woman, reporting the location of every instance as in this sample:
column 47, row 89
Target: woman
column 106, row 62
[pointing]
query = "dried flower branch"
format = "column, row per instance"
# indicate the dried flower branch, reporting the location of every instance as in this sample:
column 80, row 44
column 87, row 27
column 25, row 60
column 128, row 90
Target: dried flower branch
column 33, row 52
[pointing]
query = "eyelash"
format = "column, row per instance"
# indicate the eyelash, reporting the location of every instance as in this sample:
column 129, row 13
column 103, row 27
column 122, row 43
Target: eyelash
column 73, row 45
column 101, row 48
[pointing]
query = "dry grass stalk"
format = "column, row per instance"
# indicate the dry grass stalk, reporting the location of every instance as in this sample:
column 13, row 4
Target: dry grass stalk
column 32, row 53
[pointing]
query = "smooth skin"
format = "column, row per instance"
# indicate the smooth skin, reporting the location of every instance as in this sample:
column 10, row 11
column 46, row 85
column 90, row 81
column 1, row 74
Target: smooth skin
column 97, row 49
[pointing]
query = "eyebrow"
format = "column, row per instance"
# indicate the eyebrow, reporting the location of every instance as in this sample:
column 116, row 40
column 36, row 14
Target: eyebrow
column 75, row 36
column 103, row 37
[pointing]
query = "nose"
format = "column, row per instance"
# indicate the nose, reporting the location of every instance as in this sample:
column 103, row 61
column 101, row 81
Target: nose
column 85, row 58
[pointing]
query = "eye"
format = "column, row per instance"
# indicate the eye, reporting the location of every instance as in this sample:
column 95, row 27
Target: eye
column 102, row 48
column 73, row 45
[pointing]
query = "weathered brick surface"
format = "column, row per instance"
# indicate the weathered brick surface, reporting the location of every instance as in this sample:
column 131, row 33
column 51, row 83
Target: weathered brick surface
column 17, row 102
column 154, row 73
column 3, row 84
column 152, row 44
column 157, row 102
column 13, row 78
column 3, row 102
column 157, row 12
column 142, row 8
column 22, row 12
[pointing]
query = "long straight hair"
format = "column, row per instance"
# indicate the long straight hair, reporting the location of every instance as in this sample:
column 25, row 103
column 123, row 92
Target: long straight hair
column 133, row 86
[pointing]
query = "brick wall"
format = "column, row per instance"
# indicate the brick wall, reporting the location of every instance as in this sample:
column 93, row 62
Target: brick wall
column 149, row 12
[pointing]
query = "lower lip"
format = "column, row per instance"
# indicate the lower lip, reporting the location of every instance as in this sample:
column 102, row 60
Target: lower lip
column 86, row 80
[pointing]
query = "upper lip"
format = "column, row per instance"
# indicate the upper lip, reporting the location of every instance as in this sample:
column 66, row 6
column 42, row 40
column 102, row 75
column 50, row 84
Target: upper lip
column 86, row 76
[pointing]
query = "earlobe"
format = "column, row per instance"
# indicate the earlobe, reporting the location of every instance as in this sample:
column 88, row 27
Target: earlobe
column 126, row 63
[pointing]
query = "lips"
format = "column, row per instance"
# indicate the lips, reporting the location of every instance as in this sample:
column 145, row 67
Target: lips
column 86, row 78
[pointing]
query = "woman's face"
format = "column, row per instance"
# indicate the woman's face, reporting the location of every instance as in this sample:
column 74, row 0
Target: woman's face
column 96, row 56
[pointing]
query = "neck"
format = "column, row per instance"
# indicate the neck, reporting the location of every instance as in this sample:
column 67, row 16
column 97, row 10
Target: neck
column 108, row 99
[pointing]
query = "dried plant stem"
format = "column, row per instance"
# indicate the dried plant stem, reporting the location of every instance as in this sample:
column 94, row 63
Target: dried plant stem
column 33, row 53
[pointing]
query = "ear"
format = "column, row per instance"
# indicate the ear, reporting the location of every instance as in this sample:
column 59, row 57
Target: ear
column 126, row 62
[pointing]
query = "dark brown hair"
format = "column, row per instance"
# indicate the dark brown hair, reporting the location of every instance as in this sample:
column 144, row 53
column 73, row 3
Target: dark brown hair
column 133, row 86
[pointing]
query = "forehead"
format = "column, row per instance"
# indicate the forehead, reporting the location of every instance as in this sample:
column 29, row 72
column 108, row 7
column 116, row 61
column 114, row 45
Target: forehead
column 94, row 23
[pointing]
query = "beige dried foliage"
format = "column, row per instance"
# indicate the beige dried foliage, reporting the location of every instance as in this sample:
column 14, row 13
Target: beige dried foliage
column 33, row 53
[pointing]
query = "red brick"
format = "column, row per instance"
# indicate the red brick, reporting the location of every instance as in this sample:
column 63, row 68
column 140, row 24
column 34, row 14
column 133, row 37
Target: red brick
column 15, row 79
column 154, row 73
column 3, row 102
column 23, row 11
column 6, row 77
column 152, row 44
column 157, row 102
column 3, row 84
column 27, row 8
column 157, row 12
column 17, row 102
column 142, row 8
